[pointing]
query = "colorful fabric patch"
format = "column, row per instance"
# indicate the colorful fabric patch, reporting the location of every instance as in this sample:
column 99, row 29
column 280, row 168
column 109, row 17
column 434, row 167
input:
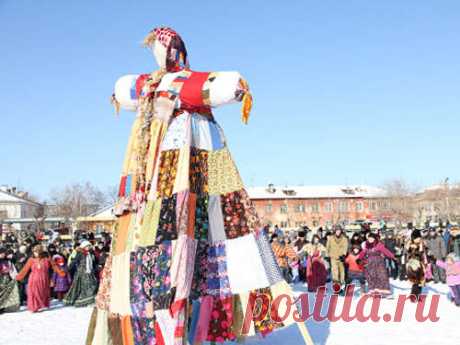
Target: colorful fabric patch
column 182, row 182
column 216, row 220
column 217, row 136
column 217, row 276
column 200, row 270
column 223, row 175
column 182, row 266
column 182, row 212
column 201, row 134
column 198, row 171
column 167, row 173
column 138, row 297
column 156, row 265
column 201, row 218
column 143, row 331
column 167, row 224
column 234, row 211
column 121, row 233
column 178, row 134
column 268, row 259
column 103, row 294
column 150, row 222
column 220, row 326
column 261, row 306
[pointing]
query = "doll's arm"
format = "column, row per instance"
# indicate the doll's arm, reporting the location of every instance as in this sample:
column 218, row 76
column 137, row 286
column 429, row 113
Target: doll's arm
column 228, row 87
column 127, row 91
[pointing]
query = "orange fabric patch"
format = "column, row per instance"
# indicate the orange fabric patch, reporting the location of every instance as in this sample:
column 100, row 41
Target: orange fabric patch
column 191, row 215
column 122, row 233
column 127, row 330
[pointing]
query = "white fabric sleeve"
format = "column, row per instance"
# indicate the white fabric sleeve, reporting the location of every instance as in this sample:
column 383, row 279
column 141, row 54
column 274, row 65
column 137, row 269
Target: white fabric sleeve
column 125, row 92
column 223, row 89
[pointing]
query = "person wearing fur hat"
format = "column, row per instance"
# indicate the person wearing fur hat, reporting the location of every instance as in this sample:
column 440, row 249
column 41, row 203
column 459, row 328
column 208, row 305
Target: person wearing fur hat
column 38, row 287
column 9, row 293
column 60, row 284
column 452, row 268
column 374, row 253
column 416, row 263
column 84, row 286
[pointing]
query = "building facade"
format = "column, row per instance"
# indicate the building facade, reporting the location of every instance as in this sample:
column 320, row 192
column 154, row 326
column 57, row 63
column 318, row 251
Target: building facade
column 15, row 206
column 293, row 207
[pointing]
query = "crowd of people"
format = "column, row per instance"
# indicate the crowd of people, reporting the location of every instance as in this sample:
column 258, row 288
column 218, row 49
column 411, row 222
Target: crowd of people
column 369, row 258
column 34, row 270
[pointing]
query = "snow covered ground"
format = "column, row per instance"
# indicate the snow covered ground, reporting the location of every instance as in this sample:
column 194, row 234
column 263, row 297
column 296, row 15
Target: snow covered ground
column 66, row 325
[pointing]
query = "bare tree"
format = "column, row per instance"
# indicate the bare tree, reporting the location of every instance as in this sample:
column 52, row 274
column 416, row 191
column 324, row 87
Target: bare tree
column 78, row 199
column 111, row 194
column 399, row 196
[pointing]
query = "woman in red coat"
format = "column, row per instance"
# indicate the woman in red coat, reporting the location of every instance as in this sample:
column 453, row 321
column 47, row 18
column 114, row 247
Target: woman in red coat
column 38, row 287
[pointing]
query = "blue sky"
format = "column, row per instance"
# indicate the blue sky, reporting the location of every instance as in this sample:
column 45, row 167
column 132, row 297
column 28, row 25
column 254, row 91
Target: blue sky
column 345, row 91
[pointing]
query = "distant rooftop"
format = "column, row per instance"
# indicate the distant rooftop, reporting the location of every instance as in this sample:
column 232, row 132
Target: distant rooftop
column 314, row 192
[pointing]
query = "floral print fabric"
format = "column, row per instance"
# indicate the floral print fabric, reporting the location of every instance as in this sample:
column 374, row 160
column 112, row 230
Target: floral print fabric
column 239, row 214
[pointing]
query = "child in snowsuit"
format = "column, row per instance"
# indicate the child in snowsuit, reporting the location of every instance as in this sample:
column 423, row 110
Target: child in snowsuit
column 60, row 284
column 452, row 268
column 355, row 268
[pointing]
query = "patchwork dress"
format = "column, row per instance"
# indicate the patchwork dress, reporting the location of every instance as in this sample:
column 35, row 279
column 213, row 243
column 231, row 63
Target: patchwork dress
column 187, row 257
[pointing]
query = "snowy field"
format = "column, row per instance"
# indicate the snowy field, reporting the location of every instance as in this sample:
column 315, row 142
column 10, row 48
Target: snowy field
column 67, row 326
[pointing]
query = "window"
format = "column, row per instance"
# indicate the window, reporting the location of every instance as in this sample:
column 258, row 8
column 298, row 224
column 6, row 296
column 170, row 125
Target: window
column 284, row 224
column 328, row 207
column 359, row 206
column 300, row 208
column 373, row 205
column 315, row 207
column 268, row 208
column 343, row 206
column 284, row 208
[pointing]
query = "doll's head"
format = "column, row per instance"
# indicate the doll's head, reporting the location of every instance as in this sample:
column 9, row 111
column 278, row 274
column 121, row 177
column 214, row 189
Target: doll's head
column 168, row 48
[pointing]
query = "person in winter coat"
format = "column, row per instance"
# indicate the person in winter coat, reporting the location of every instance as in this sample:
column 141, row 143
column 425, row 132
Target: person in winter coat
column 356, row 240
column 38, row 287
column 376, row 274
column 316, row 265
column 436, row 250
column 452, row 268
column 9, row 293
column 84, row 285
column 20, row 262
column 355, row 267
column 284, row 254
column 390, row 243
column 454, row 240
column 60, row 284
column 336, row 248
column 415, row 263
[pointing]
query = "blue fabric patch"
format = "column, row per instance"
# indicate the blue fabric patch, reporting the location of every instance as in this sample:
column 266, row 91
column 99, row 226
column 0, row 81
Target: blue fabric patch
column 133, row 89
column 217, row 142
column 195, row 316
column 128, row 185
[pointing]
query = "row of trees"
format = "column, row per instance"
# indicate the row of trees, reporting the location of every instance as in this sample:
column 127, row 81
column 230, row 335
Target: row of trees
column 79, row 199
column 407, row 203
